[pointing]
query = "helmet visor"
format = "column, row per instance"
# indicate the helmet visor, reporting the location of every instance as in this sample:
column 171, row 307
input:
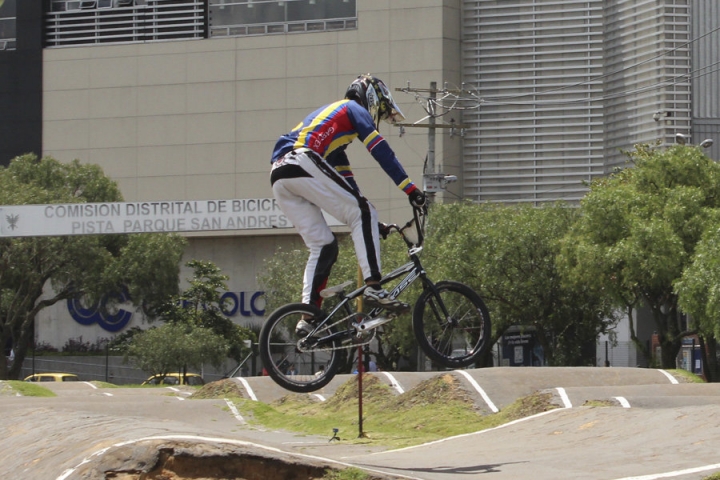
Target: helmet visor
column 390, row 112
column 396, row 115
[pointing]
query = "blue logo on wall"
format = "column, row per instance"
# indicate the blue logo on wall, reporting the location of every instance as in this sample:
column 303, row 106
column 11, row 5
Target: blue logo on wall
column 240, row 303
column 234, row 303
column 98, row 313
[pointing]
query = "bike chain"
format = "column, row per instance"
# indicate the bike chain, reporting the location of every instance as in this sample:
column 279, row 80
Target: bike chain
column 355, row 343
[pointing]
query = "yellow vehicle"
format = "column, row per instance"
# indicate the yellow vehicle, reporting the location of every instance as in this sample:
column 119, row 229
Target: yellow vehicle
column 52, row 377
column 192, row 379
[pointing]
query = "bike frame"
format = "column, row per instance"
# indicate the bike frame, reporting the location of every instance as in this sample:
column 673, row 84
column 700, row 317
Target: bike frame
column 412, row 271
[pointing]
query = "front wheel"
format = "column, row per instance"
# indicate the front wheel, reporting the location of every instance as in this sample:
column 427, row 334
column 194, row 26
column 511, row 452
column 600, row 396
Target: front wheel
column 296, row 364
column 453, row 326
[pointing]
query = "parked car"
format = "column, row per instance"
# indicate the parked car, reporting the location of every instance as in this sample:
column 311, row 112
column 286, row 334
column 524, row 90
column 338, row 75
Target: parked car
column 52, row 377
column 192, row 379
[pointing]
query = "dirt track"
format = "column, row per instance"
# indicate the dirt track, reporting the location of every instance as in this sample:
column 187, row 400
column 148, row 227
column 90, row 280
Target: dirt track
column 668, row 429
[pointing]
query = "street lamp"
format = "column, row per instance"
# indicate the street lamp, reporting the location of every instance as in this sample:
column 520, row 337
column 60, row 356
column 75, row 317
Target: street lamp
column 681, row 139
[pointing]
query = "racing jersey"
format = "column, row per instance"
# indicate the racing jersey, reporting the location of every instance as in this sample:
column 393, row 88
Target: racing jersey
column 330, row 129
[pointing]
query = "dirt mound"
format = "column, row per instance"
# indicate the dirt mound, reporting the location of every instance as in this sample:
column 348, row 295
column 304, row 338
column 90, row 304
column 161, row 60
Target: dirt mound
column 373, row 391
column 443, row 388
column 296, row 399
column 530, row 405
column 220, row 389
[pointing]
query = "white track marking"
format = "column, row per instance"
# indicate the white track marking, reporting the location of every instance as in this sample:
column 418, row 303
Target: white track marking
column 173, row 389
column 322, row 399
column 676, row 473
column 248, row 388
column 88, row 383
column 234, row 410
column 623, row 401
column 107, row 394
column 394, row 383
column 89, row 458
column 563, row 396
column 672, row 379
column 477, row 387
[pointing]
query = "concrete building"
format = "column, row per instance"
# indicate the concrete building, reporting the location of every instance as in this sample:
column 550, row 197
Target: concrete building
column 184, row 99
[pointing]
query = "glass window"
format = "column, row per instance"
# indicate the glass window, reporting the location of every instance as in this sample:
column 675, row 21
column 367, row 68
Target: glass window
column 295, row 13
column 8, row 31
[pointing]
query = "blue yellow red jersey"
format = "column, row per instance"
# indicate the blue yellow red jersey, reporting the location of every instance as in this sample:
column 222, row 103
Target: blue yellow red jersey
column 330, row 129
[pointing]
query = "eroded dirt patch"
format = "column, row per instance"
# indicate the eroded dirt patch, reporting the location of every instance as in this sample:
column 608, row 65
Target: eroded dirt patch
column 185, row 460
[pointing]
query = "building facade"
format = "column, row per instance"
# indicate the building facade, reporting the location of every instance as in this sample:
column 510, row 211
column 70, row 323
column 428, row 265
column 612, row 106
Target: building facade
column 184, row 99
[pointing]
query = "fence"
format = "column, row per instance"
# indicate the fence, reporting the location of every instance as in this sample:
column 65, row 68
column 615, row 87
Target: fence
column 112, row 369
column 622, row 354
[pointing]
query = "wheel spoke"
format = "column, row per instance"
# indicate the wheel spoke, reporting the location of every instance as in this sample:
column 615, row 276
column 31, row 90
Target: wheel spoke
column 294, row 366
column 459, row 338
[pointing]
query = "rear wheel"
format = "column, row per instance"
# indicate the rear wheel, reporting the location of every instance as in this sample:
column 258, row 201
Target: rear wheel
column 452, row 327
column 296, row 364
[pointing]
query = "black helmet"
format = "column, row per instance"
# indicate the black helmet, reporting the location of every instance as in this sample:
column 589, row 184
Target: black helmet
column 373, row 94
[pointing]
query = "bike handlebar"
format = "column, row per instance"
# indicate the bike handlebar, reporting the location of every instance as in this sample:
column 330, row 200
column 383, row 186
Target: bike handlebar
column 419, row 227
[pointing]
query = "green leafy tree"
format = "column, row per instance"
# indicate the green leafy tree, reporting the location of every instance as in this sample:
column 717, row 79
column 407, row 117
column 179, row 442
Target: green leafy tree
column 508, row 254
column 639, row 231
column 698, row 293
column 37, row 272
column 176, row 347
column 200, row 307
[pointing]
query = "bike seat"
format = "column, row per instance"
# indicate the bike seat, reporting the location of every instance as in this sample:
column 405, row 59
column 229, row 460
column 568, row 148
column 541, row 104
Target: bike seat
column 332, row 291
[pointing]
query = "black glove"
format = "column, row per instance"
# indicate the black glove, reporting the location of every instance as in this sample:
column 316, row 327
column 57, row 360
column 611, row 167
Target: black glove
column 417, row 198
column 384, row 230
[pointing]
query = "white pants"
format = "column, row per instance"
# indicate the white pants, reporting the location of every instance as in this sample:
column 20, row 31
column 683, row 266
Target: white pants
column 302, row 194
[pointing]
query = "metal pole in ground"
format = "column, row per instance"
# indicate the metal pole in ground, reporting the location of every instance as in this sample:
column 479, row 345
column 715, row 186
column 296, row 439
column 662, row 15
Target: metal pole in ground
column 360, row 370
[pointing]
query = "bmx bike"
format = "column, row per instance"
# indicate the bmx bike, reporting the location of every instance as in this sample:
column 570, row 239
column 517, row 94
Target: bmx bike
column 450, row 321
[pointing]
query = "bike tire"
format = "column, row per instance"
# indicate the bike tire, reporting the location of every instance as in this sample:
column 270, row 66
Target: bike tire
column 278, row 346
column 457, row 341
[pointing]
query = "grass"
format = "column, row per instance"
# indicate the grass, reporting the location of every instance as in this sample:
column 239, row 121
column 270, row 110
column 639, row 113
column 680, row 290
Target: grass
column 435, row 409
column 29, row 389
column 351, row 473
column 687, row 377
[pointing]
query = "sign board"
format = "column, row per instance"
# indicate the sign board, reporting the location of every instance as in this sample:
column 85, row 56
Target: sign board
column 143, row 217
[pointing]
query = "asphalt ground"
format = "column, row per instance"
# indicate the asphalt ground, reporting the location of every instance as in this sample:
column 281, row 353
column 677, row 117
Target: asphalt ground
column 659, row 427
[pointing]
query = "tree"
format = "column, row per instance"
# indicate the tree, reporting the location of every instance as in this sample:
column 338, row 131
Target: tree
column 698, row 293
column 175, row 347
column 37, row 272
column 638, row 233
column 200, row 307
column 508, row 254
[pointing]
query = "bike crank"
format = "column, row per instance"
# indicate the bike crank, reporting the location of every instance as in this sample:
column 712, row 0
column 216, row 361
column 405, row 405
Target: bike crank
column 367, row 325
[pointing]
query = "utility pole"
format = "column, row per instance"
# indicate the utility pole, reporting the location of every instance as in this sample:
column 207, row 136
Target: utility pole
column 432, row 180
